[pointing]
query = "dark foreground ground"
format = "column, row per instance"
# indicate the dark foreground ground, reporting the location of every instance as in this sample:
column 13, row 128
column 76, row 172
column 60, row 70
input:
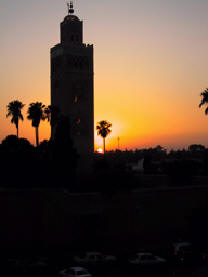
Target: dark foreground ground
column 11, row 267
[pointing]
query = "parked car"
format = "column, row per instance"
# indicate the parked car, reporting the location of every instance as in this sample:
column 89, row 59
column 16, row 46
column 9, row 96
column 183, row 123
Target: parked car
column 27, row 265
column 74, row 272
column 94, row 258
column 109, row 259
column 25, row 262
column 146, row 259
column 182, row 252
column 204, row 256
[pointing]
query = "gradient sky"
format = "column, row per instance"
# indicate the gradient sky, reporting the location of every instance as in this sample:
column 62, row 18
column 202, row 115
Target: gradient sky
column 151, row 63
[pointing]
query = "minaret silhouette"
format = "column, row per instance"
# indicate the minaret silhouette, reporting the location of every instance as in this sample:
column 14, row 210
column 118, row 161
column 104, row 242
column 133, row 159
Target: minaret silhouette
column 72, row 89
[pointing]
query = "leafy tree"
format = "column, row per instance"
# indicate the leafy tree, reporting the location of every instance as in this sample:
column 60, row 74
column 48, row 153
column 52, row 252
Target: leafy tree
column 13, row 144
column 204, row 100
column 103, row 130
column 14, row 109
column 18, row 155
column 36, row 114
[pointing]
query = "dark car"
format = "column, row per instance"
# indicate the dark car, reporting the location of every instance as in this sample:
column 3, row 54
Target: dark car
column 204, row 256
column 183, row 252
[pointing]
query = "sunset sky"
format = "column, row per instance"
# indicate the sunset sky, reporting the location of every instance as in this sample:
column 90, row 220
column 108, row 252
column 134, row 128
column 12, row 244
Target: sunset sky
column 151, row 63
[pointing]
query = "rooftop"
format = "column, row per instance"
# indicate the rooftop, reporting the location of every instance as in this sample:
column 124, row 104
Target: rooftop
column 71, row 18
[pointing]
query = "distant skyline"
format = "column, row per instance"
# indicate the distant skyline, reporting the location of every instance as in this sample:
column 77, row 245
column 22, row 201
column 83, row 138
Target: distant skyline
column 150, row 59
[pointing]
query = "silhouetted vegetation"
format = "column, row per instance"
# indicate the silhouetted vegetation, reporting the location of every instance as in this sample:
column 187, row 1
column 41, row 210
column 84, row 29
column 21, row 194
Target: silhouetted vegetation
column 36, row 114
column 64, row 154
column 52, row 114
column 52, row 164
column 14, row 110
column 146, row 167
column 17, row 162
column 103, row 130
column 204, row 100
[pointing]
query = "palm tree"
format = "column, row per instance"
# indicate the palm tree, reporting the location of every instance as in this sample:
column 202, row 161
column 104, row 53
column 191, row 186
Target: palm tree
column 103, row 130
column 14, row 109
column 204, row 100
column 36, row 114
column 52, row 113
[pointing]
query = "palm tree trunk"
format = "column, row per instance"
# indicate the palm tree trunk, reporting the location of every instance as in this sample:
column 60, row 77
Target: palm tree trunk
column 104, row 146
column 17, row 130
column 37, row 136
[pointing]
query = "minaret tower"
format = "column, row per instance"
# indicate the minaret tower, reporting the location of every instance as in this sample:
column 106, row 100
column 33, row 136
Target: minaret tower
column 72, row 82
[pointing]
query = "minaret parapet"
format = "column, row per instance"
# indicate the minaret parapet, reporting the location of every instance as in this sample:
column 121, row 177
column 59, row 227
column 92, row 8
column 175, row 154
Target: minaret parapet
column 81, row 46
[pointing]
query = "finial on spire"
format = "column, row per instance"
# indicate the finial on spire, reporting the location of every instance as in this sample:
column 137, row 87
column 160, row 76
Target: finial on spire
column 70, row 7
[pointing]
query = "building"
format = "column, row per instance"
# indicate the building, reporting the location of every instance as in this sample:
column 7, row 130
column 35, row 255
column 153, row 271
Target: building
column 72, row 89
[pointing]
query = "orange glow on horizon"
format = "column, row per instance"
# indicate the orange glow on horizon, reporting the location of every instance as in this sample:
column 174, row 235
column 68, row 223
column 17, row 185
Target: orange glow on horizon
column 100, row 150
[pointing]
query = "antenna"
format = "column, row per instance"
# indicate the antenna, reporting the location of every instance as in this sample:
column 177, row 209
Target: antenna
column 70, row 7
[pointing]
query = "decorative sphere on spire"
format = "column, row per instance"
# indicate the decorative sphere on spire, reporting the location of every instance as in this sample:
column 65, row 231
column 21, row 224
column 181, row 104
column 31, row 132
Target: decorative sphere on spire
column 71, row 17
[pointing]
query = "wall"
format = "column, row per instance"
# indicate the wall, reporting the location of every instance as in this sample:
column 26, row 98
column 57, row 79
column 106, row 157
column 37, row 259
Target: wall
column 146, row 217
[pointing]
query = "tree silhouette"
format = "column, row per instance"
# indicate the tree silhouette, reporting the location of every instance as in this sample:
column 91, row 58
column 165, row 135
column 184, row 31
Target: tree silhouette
column 14, row 109
column 103, row 130
column 52, row 114
column 196, row 147
column 63, row 150
column 204, row 100
column 36, row 114
column 18, row 154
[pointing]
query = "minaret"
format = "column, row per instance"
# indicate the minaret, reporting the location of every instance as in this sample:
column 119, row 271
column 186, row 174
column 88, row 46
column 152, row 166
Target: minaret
column 72, row 82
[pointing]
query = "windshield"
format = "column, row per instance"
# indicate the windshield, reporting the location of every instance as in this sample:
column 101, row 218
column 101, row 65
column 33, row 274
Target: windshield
column 82, row 272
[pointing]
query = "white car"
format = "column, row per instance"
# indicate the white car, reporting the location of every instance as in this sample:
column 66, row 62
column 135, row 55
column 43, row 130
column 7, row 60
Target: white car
column 94, row 258
column 181, row 246
column 109, row 259
column 75, row 272
column 146, row 259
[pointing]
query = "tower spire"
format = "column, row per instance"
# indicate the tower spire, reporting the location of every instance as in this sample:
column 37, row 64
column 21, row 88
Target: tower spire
column 70, row 7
